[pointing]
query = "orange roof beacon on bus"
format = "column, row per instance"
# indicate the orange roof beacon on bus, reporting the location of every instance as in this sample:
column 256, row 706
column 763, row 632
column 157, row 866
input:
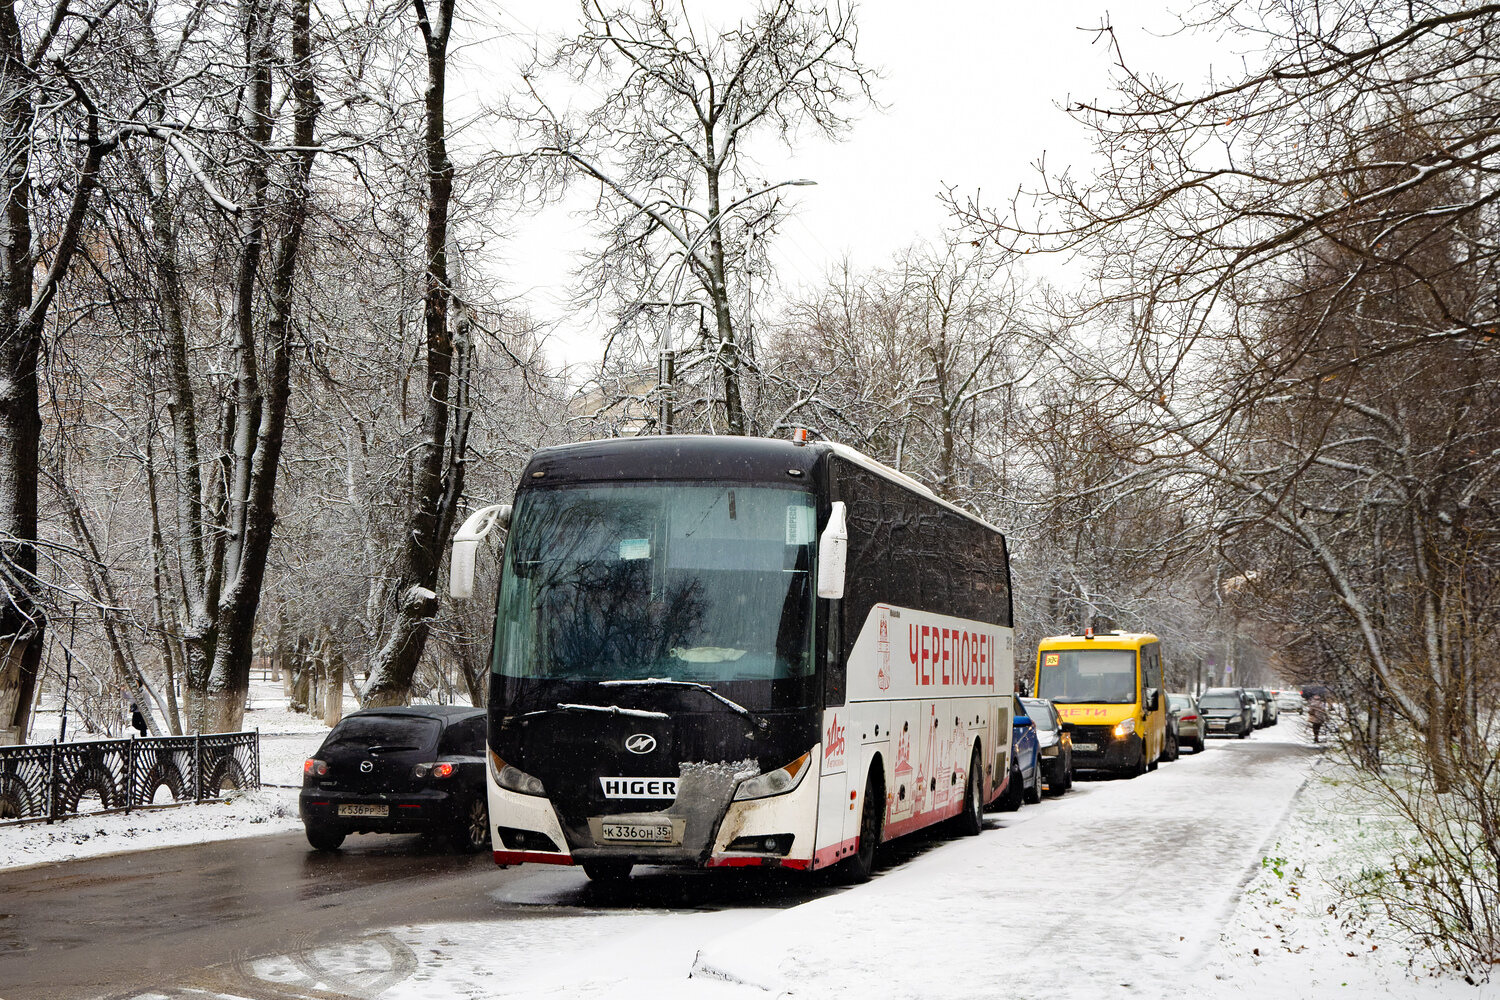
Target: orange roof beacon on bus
column 1107, row 687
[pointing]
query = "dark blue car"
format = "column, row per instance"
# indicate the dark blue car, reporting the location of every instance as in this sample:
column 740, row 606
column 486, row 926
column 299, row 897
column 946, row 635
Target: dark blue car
column 1025, row 761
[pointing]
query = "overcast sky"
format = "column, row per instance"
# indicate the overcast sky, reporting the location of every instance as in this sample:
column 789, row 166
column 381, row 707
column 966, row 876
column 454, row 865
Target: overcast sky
column 972, row 93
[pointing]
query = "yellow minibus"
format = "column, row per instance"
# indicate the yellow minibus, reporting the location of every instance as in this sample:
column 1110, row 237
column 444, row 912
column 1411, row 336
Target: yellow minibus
column 1108, row 691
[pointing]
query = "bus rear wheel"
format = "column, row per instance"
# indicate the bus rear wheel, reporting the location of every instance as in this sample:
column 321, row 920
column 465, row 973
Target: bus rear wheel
column 971, row 820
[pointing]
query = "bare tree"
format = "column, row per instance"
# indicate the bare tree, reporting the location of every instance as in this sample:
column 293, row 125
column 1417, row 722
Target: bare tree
column 1300, row 267
column 443, row 451
column 670, row 148
column 42, row 95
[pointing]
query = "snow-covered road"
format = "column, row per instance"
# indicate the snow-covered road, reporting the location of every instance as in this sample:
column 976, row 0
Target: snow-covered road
column 1121, row 888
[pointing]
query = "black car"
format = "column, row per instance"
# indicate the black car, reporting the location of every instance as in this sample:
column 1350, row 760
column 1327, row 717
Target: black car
column 1227, row 711
column 418, row 769
column 1056, row 745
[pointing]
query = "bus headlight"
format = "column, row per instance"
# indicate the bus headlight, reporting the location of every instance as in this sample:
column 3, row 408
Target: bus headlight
column 776, row 782
column 513, row 778
column 1125, row 728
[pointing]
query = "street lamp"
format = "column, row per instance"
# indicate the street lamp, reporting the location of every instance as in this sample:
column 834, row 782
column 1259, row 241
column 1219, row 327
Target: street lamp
column 666, row 356
column 74, row 596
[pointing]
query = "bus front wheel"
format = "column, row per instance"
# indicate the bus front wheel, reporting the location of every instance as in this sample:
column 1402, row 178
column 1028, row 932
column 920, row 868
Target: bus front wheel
column 861, row 865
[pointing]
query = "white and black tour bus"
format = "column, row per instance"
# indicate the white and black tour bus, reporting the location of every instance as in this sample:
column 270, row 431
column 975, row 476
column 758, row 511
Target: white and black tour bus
column 724, row 651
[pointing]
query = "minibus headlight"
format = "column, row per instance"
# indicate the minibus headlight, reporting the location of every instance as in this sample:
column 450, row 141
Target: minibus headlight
column 777, row 782
column 1125, row 728
column 514, row 779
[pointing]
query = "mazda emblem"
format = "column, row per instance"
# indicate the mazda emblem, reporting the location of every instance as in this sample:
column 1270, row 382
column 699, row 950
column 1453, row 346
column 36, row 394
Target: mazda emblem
column 641, row 743
column 366, row 766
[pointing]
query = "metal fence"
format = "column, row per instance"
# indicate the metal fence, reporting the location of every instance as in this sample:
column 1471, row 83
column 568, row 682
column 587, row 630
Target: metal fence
column 50, row 781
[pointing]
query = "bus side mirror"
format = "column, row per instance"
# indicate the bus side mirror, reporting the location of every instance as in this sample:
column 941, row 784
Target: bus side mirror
column 466, row 543
column 833, row 552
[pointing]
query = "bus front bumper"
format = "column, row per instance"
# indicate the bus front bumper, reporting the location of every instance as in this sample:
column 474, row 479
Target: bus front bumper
column 774, row 831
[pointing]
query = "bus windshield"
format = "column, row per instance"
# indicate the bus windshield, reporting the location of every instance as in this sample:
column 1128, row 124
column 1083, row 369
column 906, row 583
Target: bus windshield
column 687, row 582
column 1092, row 676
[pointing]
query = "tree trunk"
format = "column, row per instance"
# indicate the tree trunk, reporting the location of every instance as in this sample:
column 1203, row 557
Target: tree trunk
column 262, row 395
column 439, row 475
column 25, row 299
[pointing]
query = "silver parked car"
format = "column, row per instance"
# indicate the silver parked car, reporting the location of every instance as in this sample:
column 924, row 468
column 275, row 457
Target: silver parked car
column 1290, row 700
column 1190, row 726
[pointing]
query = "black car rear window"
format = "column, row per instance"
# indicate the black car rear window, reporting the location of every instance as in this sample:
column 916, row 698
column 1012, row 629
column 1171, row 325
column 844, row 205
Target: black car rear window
column 1219, row 701
column 391, row 732
column 464, row 738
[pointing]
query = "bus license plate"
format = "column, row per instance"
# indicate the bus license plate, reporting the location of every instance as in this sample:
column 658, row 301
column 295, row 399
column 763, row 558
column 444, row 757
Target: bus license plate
column 1086, row 747
column 363, row 809
column 638, row 833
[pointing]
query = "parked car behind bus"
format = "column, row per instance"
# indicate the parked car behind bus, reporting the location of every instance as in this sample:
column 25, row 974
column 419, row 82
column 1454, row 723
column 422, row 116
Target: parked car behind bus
column 1025, row 762
column 1268, row 708
column 1056, row 745
column 1228, row 711
column 1190, row 727
column 1108, row 690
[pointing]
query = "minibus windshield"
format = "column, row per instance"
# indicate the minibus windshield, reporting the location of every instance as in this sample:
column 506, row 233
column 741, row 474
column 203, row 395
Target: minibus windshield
column 677, row 581
column 1090, row 676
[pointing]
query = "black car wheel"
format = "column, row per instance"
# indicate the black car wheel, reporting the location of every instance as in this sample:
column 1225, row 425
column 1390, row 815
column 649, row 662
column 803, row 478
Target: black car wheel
column 1010, row 799
column 324, row 838
column 1034, row 793
column 1172, row 751
column 1057, row 780
column 472, row 833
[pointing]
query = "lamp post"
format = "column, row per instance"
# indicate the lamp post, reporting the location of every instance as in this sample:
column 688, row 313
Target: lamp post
column 62, row 729
column 666, row 362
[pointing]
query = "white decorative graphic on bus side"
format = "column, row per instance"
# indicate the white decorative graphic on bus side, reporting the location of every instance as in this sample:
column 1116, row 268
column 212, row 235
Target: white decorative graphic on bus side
column 951, row 656
column 639, row 788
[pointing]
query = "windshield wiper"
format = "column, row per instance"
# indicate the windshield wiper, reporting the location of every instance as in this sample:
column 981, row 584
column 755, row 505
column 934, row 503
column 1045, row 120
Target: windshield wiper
column 734, row 706
column 381, row 748
column 606, row 709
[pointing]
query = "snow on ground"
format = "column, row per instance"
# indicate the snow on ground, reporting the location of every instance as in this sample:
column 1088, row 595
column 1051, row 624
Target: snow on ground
column 1293, row 935
column 1209, row 878
column 287, row 738
column 1164, row 886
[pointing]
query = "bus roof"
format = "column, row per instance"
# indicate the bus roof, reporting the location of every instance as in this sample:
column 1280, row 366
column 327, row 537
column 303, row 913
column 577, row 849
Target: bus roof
column 706, row 456
column 1101, row 640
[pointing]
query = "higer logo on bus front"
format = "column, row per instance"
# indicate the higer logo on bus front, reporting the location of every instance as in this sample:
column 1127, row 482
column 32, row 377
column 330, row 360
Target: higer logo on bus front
column 641, row 743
